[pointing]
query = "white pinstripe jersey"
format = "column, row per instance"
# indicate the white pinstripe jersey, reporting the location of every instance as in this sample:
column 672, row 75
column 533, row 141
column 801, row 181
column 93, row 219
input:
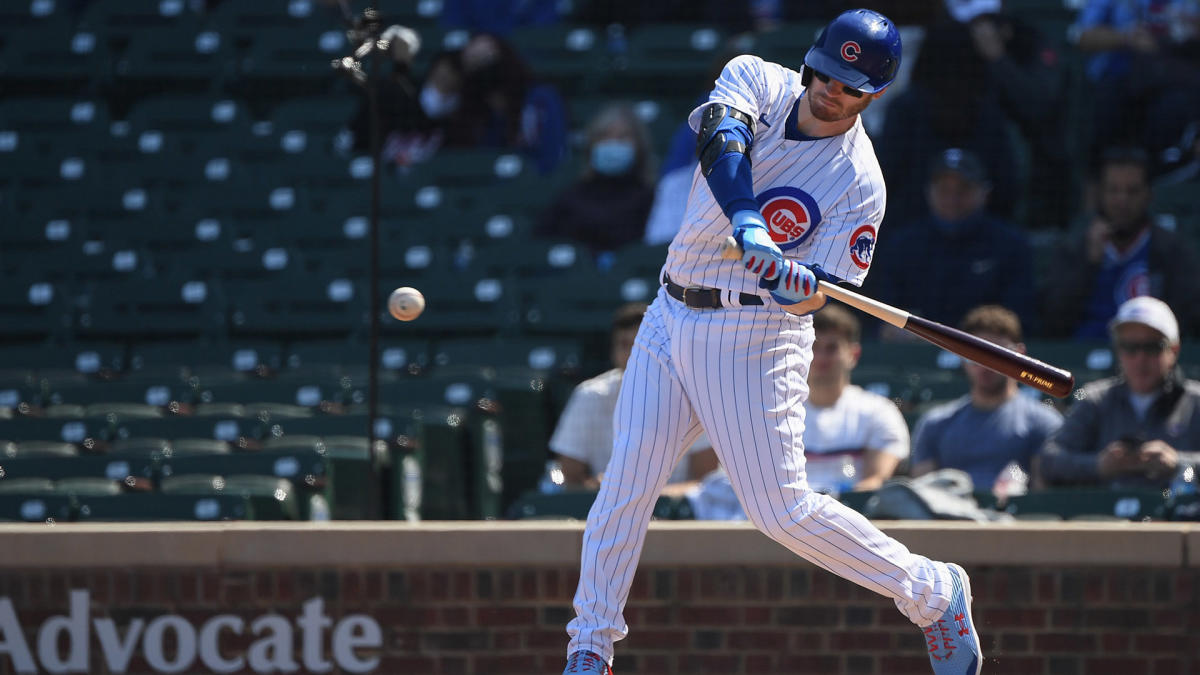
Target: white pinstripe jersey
column 823, row 199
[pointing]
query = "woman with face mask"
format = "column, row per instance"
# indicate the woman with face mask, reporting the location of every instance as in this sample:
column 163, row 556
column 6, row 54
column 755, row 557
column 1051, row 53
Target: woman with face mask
column 607, row 207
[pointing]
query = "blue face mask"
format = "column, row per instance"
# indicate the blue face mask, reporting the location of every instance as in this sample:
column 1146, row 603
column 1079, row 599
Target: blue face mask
column 613, row 157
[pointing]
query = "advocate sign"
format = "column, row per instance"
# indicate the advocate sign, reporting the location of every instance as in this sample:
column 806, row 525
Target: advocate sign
column 272, row 649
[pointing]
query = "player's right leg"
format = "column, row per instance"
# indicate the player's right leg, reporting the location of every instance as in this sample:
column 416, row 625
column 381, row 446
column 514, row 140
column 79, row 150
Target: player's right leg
column 654, row 424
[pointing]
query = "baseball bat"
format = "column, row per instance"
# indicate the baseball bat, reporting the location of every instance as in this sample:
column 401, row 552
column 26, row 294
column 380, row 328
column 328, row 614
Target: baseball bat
column 1024, row 369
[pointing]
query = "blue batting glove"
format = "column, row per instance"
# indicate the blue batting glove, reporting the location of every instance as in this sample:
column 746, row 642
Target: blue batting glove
column 760, row 254
column 796, row 284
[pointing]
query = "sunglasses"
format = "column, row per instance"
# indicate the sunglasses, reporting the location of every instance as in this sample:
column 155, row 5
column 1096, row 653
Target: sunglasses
column 1152, row 348
column 849, row 91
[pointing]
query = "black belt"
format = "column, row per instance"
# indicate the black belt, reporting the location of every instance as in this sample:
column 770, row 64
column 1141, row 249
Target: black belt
column 704, row 298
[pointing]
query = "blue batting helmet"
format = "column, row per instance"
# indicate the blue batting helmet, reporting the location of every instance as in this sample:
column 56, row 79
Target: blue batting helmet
column 860, row 48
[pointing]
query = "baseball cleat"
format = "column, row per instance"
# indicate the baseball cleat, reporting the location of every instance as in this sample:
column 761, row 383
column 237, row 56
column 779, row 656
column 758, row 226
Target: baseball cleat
column 582, row 662
column 952, row 641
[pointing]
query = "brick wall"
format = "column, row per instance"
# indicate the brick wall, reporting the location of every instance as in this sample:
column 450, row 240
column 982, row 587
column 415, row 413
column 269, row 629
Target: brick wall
column 495, row 616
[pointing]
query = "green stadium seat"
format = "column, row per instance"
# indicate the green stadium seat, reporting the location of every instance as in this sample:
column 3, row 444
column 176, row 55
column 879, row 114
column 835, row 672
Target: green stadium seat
column 337, row 471
column 669, row 59
column 297, row 307
column 575, row 504
column 34, row 310
column 165, row 507
column 157, row 309
column 312, row 115
column 188, row 113
column 450, row 467
column 27, row 486
column 87, row 486
column 183, row 58
column 1076, row 503
column 565, row 54
column 42, row 449
column 271, row 498
column 458, row 303
column 52, row 59
column 35, row 507
column 786, row 43
column 642, row 260
column 580, row 305
column 546, row 355
column 122, row 18
column 288, row 62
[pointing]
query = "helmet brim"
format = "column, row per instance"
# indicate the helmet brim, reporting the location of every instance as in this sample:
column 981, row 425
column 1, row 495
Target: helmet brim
column 839, row 71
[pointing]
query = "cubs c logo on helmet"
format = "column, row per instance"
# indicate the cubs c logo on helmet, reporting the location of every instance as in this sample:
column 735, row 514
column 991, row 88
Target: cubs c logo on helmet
column 851, row 50
column 791, row 214
column 862, row 246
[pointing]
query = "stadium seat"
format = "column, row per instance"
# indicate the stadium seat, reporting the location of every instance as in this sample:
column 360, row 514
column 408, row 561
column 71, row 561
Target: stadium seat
column 295, row 307
column 669, row 59
column 144, row 309
column 566, row 55
column 183, row 58
column 288, row 62
column 122, row 18
column 580, row 305
column 34, row 310
column 547, row 355
column 165, row 507
column 27, row 486
column 87, row 486
column 35, row 507
column 54, row 114
column 1080, row 503
column 575, row 504
column 459, row 303
column 53, row 59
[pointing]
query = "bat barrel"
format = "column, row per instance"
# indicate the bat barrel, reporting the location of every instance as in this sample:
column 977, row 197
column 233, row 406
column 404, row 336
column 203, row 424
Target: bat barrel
column 1025, row 369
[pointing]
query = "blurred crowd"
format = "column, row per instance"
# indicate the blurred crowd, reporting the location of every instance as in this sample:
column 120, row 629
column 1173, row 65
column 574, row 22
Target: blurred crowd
column 986, row 175
column 1026, row 198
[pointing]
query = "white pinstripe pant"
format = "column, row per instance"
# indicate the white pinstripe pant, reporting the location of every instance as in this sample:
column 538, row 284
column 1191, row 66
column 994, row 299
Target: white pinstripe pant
column 741, row 374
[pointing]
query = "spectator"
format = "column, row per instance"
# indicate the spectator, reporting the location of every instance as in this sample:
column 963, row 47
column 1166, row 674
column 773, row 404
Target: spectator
column 1030, row 86
column 1145, row 66
column 951, row 102
column 1139, row 428
column 853, row 439
column 412, row 120
column 1118, row 255
column 977, row 258
column 583, row 440
column 993, row 425
column 504, row 107
column 606, row 208
column 396, row 93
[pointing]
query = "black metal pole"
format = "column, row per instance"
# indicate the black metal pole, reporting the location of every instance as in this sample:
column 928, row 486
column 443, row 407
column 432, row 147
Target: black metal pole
column 373, row 24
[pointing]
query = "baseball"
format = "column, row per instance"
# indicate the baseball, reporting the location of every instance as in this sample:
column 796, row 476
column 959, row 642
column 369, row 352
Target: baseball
column 406, row 303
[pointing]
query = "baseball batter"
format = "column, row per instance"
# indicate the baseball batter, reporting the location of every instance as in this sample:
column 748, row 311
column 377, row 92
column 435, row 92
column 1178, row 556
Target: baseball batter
column 786, row 166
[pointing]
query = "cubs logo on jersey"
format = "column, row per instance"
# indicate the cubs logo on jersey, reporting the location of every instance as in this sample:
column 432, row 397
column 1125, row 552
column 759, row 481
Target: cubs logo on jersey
column 862, row 246
column 1133, row 282
column 791, row 214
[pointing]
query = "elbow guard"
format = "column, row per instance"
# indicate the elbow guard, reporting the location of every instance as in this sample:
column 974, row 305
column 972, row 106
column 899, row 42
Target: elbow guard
column 723, row 130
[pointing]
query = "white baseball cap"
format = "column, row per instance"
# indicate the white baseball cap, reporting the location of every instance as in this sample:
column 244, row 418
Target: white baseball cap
column 965, row 10
column 1148, row 311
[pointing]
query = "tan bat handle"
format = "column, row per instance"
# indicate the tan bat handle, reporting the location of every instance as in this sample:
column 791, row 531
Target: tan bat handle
column 884, row 312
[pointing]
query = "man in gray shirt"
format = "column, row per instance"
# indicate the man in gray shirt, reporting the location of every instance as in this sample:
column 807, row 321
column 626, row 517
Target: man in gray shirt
column 1138, row 429
column 993, row 425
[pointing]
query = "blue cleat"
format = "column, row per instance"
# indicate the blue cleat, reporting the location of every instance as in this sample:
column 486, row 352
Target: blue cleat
column 582, row 662
column 952, row 640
